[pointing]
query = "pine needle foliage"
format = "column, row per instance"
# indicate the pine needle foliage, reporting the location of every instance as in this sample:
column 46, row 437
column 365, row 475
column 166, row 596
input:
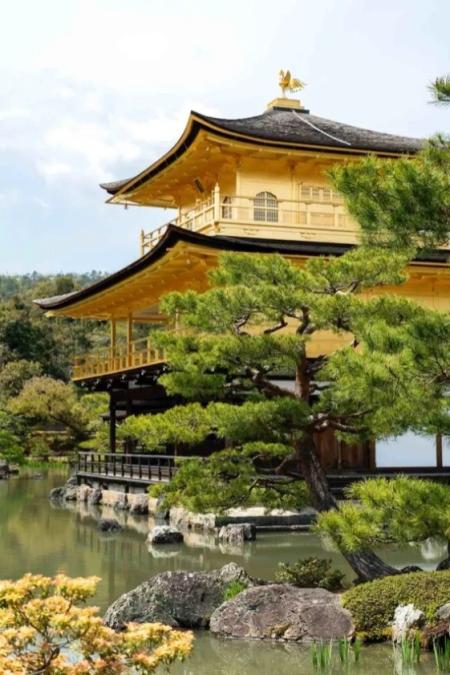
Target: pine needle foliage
column 401, row 202
column 440, row 89
column 240, row 341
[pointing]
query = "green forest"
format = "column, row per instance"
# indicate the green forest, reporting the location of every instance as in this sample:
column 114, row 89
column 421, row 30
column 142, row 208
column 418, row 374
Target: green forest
column 41, row 413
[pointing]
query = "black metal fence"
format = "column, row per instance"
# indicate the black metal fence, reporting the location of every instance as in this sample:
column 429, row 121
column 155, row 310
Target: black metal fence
column 148, row 467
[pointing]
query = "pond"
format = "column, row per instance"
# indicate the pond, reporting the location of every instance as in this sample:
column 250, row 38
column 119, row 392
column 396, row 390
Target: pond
column 39, row 537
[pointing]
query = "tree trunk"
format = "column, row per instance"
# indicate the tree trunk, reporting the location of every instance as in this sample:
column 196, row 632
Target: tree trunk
column 315, row 477
column 366, row 564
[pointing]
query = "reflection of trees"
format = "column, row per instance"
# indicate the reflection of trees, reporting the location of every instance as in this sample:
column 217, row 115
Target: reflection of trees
column 39, row 537
column 433, row 549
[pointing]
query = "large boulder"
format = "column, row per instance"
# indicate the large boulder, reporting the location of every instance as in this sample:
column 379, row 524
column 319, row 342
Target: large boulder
column 237, row 533
column 179, row 599
column 164, row 534
column 283, row 612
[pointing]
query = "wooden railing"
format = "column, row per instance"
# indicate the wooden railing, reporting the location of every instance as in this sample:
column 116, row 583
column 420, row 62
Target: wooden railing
column 138, row 353
column 319, row 208
column 126, row 467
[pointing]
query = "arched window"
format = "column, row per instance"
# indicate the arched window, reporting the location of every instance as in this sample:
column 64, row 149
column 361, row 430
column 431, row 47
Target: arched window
column 265, row 207
column 227, row 211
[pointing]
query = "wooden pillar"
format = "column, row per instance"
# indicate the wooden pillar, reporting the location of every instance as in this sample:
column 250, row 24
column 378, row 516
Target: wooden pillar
column 439, row 461
column 112, row 424
column 129, row 339
column 216, row 200
column 113, row 334
column 372, row 455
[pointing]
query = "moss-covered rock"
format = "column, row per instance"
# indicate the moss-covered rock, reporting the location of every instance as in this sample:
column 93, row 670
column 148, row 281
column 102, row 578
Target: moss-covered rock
column 372, row 605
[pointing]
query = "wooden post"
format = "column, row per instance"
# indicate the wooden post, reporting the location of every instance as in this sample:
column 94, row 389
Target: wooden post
column 129, row 339
column 112, row 425
column 216, row 200
column 439, row 462
column 113, row 334
column 372, row 455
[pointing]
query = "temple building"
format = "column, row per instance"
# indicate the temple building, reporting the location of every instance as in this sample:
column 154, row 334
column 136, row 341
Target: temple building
column 255, row 185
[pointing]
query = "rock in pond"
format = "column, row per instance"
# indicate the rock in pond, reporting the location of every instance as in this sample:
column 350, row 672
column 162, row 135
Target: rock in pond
column 283, row 612
column 95, row 497
column 406, row 618
column 179, row 599
column 108, row 525
column 4, row 469
column 139, row 505
column 237, row 533
column 443, row 613
column 164, row 534
column 65, row 493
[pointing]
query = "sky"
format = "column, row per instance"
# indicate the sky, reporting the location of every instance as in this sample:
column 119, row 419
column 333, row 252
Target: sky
column 96, row 90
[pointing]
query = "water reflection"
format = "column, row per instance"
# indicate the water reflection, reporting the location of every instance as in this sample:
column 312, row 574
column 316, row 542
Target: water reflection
column 42, row 538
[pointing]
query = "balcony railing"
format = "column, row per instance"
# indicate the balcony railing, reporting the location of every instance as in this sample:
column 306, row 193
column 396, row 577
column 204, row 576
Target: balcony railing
column 101, row 362
column 320, row 211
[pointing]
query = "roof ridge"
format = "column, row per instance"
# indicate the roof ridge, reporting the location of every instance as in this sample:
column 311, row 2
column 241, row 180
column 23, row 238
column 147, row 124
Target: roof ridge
column 325, row 133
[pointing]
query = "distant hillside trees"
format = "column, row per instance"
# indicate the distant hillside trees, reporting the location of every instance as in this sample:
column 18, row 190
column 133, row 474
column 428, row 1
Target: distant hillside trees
column 40, row 412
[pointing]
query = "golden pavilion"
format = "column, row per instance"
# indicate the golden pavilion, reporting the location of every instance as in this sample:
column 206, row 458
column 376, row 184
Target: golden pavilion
column 256, row 185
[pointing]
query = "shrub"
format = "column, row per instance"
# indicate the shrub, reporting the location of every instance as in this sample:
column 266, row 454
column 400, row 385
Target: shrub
column 234, row 588
column 311, row 573
column 42, row 619
column 373, row 604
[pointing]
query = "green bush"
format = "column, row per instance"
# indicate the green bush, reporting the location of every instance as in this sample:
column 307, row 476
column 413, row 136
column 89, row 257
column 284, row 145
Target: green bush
column 310, row 573
column 373, row 604
column 234, row 588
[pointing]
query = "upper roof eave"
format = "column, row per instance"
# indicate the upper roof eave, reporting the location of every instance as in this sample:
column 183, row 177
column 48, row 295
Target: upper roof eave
column 242, row 129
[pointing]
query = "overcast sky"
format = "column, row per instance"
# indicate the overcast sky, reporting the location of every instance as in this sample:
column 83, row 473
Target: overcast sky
column 95, row 90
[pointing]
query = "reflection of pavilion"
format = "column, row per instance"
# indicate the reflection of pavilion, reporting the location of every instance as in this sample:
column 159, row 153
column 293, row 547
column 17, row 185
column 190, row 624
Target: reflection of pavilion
column 254, row 185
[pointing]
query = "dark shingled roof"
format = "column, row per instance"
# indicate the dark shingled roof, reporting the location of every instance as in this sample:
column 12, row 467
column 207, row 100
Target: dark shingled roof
column 175, row 234
column 298, row 126
column 284, row 128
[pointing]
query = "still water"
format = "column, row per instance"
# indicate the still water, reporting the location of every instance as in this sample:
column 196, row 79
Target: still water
column 36, row 536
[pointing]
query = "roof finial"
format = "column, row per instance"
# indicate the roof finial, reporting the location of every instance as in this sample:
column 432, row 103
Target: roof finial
column 289, row 83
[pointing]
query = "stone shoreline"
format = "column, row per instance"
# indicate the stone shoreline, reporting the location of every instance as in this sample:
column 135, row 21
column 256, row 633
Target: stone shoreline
column 141, row 504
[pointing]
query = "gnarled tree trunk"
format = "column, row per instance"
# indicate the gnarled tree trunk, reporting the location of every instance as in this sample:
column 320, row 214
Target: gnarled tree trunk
column 366, row 564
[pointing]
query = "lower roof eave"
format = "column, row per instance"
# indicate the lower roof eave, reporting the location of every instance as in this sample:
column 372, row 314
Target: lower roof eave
column 175, row 234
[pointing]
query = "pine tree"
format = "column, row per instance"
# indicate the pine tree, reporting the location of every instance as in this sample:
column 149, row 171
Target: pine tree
column 440, row 89
column 256, row 324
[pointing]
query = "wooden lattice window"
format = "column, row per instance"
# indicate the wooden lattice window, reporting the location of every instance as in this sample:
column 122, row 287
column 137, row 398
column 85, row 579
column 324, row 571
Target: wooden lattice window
column 265, row 207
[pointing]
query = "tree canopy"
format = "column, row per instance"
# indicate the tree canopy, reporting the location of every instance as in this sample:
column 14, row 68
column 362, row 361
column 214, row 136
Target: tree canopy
column 250, row 333
column 400, row 202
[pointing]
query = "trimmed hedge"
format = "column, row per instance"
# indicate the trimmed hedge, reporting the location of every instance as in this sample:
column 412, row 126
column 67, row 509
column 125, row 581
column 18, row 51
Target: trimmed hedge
column 373, row 604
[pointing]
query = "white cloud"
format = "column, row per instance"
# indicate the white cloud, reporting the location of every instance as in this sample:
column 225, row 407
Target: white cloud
column 14, row 113
column 41, row 202
column 9, row 197
column 52, row 169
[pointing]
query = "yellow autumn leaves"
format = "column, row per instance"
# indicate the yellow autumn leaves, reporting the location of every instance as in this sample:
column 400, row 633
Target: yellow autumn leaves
column 45, row 627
